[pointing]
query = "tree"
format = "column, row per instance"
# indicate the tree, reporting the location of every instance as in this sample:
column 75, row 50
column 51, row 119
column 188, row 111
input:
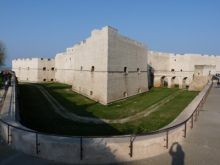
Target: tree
column 2, row 53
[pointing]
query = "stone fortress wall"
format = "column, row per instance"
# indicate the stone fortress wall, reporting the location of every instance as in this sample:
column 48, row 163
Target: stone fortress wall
column 105, row 67
column 34, row 69
column 108, row 67
column 127, row 67
column 178, row 69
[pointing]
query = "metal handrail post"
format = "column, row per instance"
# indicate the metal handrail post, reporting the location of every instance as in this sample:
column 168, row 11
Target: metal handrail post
column 9, row 134
column 131, row 146
column 37, row 144
column 167, row 132
column 81, row 149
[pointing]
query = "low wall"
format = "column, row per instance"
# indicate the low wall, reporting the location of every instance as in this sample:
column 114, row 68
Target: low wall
column 96, row 150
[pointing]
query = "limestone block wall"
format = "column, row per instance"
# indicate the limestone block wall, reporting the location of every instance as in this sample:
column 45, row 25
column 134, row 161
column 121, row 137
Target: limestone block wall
column 186, row 62
column 159, row 61
column 127, row 67
column 204, row 70
column 34, row 69
column 64, row 67
column 92, row 85
column 26, row 69
column 180, row 62
column 46, row 69
column 90, row 66
column 178, row 69
column 122, row 85
column 202, row 75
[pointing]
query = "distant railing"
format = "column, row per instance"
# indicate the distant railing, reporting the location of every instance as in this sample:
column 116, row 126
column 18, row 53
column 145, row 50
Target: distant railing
column 192, row 117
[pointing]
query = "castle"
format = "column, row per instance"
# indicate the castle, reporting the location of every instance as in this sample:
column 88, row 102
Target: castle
column 108, row 67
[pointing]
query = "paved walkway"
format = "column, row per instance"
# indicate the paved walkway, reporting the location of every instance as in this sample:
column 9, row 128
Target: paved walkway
column 201, row 147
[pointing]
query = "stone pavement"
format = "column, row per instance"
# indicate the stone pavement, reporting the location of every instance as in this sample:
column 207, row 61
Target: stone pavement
column 1, row 94
column 201, row 147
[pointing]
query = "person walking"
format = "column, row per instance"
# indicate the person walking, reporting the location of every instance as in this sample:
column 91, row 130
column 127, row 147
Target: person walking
column 6, row 85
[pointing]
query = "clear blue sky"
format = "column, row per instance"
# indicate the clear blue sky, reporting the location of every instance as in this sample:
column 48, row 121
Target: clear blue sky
column 43, row 28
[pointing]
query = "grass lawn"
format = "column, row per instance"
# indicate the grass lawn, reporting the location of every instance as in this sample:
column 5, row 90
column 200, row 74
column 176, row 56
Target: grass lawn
column 37, row 113
column 84, row 106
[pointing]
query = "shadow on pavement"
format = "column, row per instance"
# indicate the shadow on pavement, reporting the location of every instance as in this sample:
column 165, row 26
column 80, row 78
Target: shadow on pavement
column 177, row 154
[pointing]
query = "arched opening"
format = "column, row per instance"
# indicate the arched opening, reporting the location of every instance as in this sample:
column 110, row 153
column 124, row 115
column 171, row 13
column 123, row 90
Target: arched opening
column 138, row 70
column 139, row 90
column 184, row 83
column 172, row 82
column 176, row 82
column 151, row 77
column 187, row 82
column 163, row 81
column 125, row 94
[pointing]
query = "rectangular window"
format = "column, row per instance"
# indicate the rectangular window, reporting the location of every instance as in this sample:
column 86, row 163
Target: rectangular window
column 92, row 69
column 125, row 70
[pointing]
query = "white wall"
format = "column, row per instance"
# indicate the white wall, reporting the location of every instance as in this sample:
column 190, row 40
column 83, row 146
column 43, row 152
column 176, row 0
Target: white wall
column 31, row 69
column 124, row 52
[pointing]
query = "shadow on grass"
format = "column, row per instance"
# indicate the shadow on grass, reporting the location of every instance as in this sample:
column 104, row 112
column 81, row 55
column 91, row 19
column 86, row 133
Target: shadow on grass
column 38, row 114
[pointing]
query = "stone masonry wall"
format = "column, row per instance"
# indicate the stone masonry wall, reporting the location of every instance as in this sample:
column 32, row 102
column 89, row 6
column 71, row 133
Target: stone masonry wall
column 127, row 67
column 64, row 66
column 34, row 69
column 26, row 69
column 90, row 66
column 46, row 69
